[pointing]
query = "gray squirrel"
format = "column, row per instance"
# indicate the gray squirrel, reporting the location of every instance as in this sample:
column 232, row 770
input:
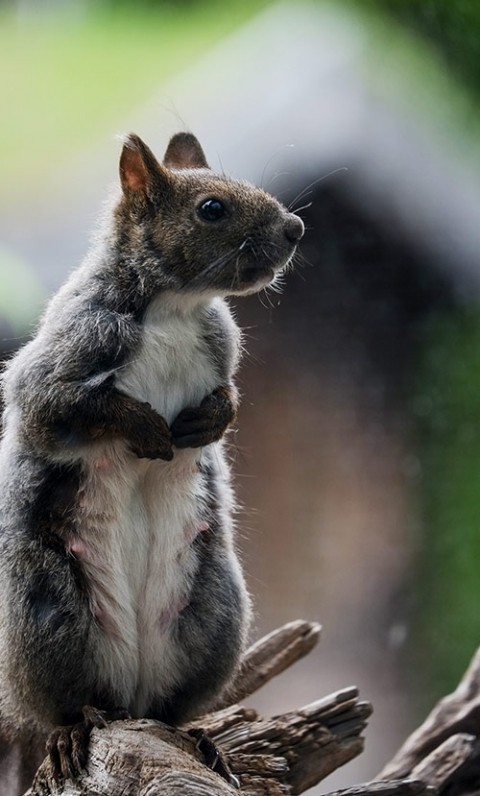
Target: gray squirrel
column 120, row 588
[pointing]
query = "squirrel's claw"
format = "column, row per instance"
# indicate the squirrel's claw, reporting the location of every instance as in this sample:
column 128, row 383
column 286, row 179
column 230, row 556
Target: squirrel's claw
column 67, row 747
column 212, row 755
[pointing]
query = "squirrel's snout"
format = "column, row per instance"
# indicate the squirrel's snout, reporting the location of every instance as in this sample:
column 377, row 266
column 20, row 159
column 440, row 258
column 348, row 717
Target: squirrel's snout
column 294, row 228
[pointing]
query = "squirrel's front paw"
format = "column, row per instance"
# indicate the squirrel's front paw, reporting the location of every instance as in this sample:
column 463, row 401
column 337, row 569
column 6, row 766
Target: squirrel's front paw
column 152, row 439
column 201, row 425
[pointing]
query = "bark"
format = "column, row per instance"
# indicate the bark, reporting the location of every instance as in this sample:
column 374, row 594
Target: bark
column 458, row 712
column 284, row 754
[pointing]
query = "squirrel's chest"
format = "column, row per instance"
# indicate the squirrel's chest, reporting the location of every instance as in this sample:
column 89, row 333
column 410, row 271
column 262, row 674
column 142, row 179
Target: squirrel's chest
column 172, row 367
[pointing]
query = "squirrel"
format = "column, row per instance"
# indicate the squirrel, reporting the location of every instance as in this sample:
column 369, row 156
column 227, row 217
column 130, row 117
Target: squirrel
column 120, row 587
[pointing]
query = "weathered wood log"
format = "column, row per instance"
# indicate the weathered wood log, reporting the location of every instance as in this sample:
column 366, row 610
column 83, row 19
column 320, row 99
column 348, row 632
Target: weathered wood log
column 401, row 787
column 286, row 754
column 137, row 757
column 313, row 741
column 454, row 717
column 270, row 656
column 281, row 755
column 441, row 764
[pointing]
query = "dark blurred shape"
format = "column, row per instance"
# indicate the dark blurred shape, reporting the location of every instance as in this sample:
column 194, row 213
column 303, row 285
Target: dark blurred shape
column 370, row 289
column 327, row 430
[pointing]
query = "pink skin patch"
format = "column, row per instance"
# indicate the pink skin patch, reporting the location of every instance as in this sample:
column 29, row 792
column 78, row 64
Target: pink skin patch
column 79, row 550
column 192, row 531
column 104, row 620
column 83, row 501
column 170, row 614
column 82, row 552
column 104, row 464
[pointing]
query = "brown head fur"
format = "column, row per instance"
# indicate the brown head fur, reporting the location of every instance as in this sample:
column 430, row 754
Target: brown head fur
column 212, row 234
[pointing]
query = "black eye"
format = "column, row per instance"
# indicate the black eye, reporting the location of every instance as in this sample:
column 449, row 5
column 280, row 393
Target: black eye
column 212, row 210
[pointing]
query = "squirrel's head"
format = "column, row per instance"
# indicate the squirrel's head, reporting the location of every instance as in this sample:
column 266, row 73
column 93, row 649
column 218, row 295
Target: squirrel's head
column 208, row 233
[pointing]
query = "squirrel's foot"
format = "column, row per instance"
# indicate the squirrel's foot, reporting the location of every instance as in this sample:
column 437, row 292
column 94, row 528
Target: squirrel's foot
column 67, row 747
column 212, row 755
column 197, row 426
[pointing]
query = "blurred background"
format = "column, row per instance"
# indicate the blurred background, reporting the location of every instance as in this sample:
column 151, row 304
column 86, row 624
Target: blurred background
column 357, row 457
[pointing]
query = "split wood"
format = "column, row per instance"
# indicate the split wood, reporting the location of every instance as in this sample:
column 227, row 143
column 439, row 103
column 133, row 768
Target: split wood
column 285, row 754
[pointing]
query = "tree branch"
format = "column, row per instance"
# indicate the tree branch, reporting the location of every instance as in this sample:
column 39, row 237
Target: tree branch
column 286, row 754
column 455, row 715
column 270, row 656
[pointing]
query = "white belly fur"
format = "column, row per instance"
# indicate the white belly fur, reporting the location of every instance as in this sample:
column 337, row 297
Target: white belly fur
column 139, row 517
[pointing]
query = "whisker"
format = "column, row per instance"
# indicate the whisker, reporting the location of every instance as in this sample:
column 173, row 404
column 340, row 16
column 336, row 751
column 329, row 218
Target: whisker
column 243, row 244
column 199, row 279
column 261, row 295
column 305, row 190
column 237, row 266
column 304, row 261
column 278, row 284
column 277, row 176
column 277, row 151
column 303, row 207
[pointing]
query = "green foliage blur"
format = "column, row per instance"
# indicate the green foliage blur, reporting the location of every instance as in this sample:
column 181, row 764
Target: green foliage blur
column 445, row 403
column 439, row 48
column 451, row 27
column 76, row 70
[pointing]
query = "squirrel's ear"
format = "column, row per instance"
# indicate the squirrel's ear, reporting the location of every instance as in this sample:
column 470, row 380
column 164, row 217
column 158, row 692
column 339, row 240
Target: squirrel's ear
column 140, row 172
column 184, row 152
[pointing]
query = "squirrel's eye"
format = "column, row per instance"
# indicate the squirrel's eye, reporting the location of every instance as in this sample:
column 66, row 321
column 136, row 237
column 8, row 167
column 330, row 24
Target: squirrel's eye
column 212, row 210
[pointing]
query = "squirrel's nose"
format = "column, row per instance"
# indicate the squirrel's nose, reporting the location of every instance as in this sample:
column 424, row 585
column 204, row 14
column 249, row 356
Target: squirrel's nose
column 294, row 228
